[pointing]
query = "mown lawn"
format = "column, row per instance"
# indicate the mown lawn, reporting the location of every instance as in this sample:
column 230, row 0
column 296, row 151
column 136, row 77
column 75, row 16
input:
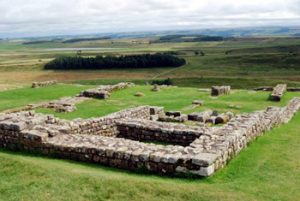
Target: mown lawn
column 269, row 169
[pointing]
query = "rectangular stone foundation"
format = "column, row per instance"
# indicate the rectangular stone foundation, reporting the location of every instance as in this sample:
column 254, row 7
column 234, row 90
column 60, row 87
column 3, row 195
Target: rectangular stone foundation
column 206, row 154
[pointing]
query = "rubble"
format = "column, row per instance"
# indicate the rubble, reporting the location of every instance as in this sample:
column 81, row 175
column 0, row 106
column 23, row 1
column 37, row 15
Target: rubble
column 43, row 84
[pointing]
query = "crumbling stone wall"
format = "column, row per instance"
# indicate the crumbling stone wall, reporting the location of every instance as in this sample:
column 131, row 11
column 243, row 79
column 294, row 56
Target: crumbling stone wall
column 206, row 154
column 220, row 90
column 229, row 140
column 289, row 89
column 43, row 84
column 104, row 91
column 210, row 116
column 153, row 131
column 106, row 126
column 66, row 104
column 278, row 92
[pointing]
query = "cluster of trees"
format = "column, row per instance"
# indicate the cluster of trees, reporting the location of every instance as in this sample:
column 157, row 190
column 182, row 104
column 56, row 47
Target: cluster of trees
column 190, row 38
column 37, row 42
column 167, row 81
column 111, row 62
column 76, row 40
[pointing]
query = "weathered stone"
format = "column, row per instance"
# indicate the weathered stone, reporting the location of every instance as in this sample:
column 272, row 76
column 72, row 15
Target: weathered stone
column 139, row 94
column 278, row 92
column 198, row 102
column 220, row 90
column 155, row 88
column 43, row 84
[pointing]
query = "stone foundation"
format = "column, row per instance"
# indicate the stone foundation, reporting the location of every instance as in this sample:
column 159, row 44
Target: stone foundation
column 153, row 131
column 43, row 84
column 104, row 91
column 83, row 140
column 106, row 126
column 278, row 92
column 220, row 90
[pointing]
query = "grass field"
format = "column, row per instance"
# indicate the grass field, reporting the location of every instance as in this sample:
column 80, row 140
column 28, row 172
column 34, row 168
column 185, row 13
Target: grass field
column 268, row 170
column 173, row 98
column 259, row 61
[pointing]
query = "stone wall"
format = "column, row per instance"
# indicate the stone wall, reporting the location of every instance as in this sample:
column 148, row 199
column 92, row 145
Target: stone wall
column 43, row 84
column 206, row 154
column 289, row 89
column 104, row 91
column 220, row 90
column 153, row 131
column 229, row 140
column 106, row 126
column 278, row 92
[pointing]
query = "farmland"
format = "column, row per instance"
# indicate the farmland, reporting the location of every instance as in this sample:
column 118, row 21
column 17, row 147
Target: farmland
column 268, row 169
column 241, row 62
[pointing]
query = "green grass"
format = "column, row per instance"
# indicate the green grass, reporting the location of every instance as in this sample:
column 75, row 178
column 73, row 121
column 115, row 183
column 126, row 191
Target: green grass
column 23, row 96
column 258, row 61
column 267, row 170
column 174, row 98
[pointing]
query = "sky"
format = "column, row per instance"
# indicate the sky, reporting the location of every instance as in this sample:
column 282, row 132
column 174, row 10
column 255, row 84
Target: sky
column 20, row 18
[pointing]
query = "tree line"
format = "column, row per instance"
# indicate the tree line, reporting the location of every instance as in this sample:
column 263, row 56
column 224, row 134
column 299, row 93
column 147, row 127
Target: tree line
column 113, row 62
column 189, row 38
column 75, row 40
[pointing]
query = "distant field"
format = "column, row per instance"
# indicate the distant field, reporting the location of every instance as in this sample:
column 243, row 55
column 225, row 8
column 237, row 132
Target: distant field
column 258, row 61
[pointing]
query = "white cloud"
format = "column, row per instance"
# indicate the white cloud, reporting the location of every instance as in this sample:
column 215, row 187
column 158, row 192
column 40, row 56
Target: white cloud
column 44, row 17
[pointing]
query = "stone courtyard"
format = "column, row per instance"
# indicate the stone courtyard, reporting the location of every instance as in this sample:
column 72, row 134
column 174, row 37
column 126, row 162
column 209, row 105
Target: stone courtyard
column 135, row 139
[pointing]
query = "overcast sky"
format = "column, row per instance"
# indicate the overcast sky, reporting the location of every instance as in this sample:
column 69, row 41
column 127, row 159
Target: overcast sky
column 53, row 17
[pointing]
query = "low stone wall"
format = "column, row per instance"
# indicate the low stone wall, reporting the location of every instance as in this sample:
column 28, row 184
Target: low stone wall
column 211, row 117
column 66, row 104
column 206, row 154
column 106, row 126
column 293, row 89
column 43, row 84
column 220, row 90
column 104, row 91
column 17, row 134
column 153, row 131
column 229, row 140
column 278, row 92
column 265, row 88
column 289, row 89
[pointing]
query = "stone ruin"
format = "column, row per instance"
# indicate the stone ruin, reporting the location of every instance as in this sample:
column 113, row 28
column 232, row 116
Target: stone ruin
column 278, row 92
column 172, row 116
column 68, row 104
column 268, row 88
column 211, row 117
column 126, row 139
column 104, row 91
column 43, row 84
column 220, row 90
